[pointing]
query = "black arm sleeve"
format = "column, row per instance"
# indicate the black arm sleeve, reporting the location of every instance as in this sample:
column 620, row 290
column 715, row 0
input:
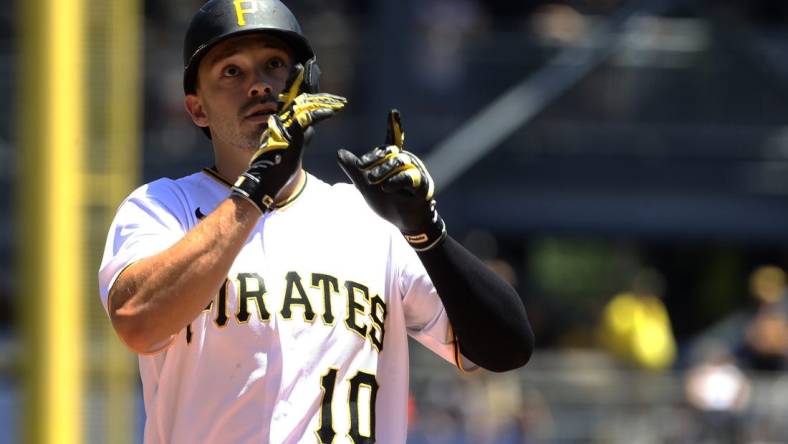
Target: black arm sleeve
column 486, row 313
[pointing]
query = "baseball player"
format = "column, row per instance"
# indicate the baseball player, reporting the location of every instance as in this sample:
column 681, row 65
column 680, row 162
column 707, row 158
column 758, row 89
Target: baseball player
column 267, row 306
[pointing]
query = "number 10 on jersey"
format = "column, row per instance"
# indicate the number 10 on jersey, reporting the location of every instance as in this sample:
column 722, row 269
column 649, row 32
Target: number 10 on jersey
column 361, row 404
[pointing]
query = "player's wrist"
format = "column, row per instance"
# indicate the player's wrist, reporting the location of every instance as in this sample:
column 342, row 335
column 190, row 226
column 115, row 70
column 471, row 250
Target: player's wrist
column 250, row 188
column 245, row 205
column 429, row 234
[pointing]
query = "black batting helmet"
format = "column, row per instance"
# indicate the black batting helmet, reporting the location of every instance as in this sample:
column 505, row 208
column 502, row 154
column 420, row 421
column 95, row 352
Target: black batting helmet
column 221, row 19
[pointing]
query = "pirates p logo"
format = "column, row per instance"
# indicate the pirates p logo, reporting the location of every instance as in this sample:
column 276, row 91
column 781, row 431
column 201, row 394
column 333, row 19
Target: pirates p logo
column 243, row 7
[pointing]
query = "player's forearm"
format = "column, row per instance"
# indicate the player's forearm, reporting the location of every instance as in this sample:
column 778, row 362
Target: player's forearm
column 486, row 313
column 158, row 296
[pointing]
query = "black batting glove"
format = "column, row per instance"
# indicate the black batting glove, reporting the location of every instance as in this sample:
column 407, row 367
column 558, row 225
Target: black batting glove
column 277, row 160
column 396, row 184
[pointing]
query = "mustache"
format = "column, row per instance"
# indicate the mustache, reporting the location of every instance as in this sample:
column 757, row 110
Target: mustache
column 262, row 100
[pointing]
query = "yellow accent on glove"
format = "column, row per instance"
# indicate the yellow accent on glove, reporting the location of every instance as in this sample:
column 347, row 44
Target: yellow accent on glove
column 304, row 110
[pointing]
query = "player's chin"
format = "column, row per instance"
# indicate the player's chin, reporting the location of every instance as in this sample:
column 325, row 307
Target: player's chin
column 253, row 128
column 252, row 137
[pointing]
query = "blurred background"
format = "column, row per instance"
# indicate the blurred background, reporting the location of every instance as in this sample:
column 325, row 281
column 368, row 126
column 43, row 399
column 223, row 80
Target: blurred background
column 623, row 164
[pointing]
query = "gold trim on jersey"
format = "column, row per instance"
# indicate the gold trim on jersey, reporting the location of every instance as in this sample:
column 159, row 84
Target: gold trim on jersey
column 293, row 284
column 330, row 414
column 373, row 392
column 457, row 354
column 247, row 297
column 377, row 322
column 221, row 306
column 213, row 174
column 356, row 309
column 328, row 287
column 296, row 195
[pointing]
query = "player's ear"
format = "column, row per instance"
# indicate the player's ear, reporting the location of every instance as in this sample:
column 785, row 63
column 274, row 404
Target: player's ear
column 195, row 109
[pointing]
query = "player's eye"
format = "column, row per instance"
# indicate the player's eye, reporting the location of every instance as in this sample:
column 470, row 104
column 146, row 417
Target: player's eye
column 276, row 63
column 230, row 71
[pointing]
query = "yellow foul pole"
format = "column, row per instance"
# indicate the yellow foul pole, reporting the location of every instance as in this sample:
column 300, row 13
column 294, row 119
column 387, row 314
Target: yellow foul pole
column 51, row 208
column 123, row 105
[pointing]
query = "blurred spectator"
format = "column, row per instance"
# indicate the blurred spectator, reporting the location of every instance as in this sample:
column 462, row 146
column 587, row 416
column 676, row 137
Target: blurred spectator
column 636, row 326
column 558, row 24
column 768, row 409
column 337, row 45
column 531, row 424
column 491, row 404
column 719, row 391
column 765, row 342
column 413, row 411
column 447, row 27
column 438, row 410
column 438, row 426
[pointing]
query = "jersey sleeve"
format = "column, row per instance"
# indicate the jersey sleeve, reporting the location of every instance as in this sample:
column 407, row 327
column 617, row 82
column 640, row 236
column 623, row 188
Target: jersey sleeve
column 149, row 221
column 425, row 317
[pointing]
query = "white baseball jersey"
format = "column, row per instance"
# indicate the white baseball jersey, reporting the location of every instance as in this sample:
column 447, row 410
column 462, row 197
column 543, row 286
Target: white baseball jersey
column 307, row 340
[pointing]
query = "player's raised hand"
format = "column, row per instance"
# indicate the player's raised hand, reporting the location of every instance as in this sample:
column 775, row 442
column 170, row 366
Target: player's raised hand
column 277, row 160
column 298, row 111
column 396, row 184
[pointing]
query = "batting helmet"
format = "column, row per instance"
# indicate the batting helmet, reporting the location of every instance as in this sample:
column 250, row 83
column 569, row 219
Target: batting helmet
column 220, row 19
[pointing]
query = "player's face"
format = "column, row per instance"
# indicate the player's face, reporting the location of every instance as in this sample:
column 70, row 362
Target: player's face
column 238, row 81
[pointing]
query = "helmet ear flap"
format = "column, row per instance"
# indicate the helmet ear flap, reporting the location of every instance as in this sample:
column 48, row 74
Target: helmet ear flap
column 311, row 83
